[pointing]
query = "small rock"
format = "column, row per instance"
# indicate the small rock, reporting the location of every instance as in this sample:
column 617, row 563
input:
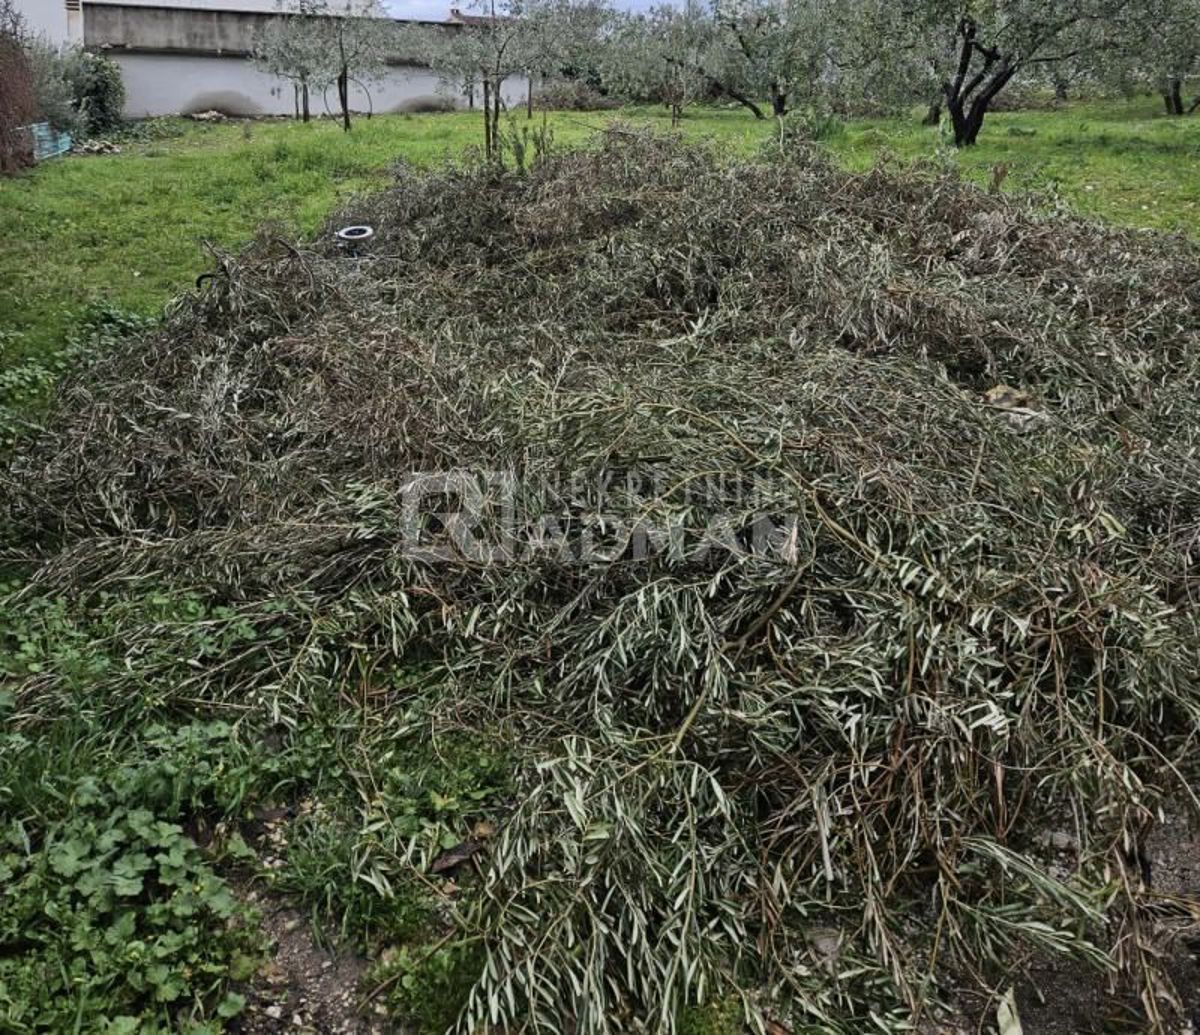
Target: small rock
column 483, row 830
column 1061, row 841
column 272, row 973
column 275, row 1012
column 826, row 943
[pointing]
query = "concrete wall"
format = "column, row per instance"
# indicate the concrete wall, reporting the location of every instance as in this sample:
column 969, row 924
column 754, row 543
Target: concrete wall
column 129, row 27
column 265, row 6
column 183, row 29
column 167, row 84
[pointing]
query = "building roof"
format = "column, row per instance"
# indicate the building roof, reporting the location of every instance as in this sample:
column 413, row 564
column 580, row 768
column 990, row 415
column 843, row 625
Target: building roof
column 460, row 17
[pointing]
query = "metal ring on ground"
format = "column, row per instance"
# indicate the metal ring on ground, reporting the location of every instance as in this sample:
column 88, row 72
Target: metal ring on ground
column 357, row 82
column 355, row 234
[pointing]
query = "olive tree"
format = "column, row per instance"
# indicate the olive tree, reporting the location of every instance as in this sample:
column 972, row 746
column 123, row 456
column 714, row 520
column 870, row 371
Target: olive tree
column 662, row 55
column 746, row 50
column 774, row 48
column 967, row 54
column 502, row 40
column 486, row 49
column 318, row 43
column 361, row 37
column 294, row 45
column 558, row 35
column 1169, row 51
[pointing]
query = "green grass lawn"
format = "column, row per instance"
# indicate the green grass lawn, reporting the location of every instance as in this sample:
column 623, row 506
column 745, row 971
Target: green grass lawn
column 1124, row 162
column 130, row 229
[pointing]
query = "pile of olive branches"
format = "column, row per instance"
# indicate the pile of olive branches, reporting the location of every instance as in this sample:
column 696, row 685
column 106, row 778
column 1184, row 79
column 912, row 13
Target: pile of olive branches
column 827, row 537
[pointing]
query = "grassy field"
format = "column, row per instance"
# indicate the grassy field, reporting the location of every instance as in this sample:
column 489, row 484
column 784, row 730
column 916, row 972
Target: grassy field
column 130, row 229
column 1119, row 161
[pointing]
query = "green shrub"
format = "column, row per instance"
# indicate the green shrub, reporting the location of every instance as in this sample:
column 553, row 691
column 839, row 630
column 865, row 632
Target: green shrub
column 97, row 90
column 76, row 92
column 719, row 1017
column 816, row 124
column 427, row 985
column 52, row 86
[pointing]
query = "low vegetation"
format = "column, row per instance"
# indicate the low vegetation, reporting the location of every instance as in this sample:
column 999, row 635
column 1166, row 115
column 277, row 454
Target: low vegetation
column 178, row 185
column 71, row 90
column 646, row 580
column 132, row 826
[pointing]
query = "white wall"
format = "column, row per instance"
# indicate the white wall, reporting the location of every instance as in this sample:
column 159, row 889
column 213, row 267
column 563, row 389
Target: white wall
column 48, row 18
column 167, row 84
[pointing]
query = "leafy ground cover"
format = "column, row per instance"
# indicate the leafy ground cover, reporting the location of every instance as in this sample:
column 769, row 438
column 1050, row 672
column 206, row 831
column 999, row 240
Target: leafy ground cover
column 865, row 695
column 134, row 813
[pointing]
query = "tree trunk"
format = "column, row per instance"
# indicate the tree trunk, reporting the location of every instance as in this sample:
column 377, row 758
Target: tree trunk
column 1173, row 97
column 1060, row 89
column 958, row 119
column 497, row 99
column 966, row 115
column 717, row 86
column 529, row 98
column 343, row 88
column 778, row 102
column 741, row 98
column 968, row 122
column 933, row 117
column 973, row 122
column 487, row 120
column 970, row 94
column 343, row 82
column 296, row 99
column 304, row 111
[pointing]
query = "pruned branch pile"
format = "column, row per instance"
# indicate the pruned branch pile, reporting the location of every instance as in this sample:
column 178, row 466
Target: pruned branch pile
column 814, row 764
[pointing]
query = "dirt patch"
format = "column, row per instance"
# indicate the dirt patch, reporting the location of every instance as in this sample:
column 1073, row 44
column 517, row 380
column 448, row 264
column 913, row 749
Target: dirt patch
column 303, row 987
column 1063, row 998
